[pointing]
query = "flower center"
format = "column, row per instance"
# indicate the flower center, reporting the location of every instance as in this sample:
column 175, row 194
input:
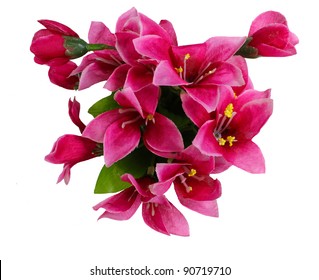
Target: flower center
column 182, row 70
column 222, row 125
column 148, row 118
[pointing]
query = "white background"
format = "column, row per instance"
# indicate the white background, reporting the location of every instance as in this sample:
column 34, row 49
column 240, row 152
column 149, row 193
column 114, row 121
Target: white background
column 268, row 224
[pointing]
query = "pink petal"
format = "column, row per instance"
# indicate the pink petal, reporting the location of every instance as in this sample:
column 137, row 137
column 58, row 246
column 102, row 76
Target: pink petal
column 167, row 171
column 265, row 19
column 205, row 95
column 93, row 74
column 125, row 18
column 148, row 98
column 125, row 47
column 246, row 155
column 121, row 206
column 205, row 140
column 96, row 128
column 74, row 113
column 152, row 46
column 166, row 75
column 117, row 78
column 252, row 117
column 168, row 26
column 127, row 99
column 100, row 34
column 225, row 74
column 163, row 135
column 58, row 27
column 119, row 141
column 195, row 111
column 165, row 219
column 202, row 163
column 222, row 48
column 71, row 148
column 202, row 197
column 138, row 77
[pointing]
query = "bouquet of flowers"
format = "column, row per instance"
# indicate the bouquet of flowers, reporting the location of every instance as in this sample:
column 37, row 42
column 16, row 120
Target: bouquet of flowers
column 174, row 116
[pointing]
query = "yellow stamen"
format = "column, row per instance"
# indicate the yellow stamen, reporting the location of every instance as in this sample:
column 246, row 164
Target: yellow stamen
column 189, row 189
column 235, row 95
column 150, row 117
column 230, row 140
column 192, row 172
column 221, row 141
column 179, row 69
column 229, row 110
column 187, row 56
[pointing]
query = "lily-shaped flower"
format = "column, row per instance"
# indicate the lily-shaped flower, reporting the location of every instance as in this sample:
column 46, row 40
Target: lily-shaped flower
column 71, row 149
column 230, row 132
column 194, row 187
column 201, row 70
column 120, row 129
column 158, row 213
column 99, row 65
column 137, row 70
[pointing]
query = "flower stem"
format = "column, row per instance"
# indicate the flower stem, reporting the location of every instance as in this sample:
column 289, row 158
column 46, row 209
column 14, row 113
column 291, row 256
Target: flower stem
column 98, row 47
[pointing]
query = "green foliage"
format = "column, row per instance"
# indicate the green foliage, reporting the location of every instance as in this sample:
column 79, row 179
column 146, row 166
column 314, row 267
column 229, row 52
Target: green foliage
column 105, row 104
column 136, row 163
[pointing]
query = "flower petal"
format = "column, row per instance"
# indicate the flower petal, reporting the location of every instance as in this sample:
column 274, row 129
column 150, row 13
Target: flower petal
column 96, row 128
column 121, row 206
column 205, row 140
column 119, row 141
column 247, row 156
column 166, row 75
column 163, row 135
column 165, row 218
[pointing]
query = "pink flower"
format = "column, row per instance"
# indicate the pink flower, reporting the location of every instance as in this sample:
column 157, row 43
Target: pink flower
column 60, row 75
column 98, row 66
column 69, row 150
column 194, row 187
column 158, row 213
column 271, row 36
column 137, row 71
column 200, row 69
column 120, row 129
column 229, row 133
column 56, row 44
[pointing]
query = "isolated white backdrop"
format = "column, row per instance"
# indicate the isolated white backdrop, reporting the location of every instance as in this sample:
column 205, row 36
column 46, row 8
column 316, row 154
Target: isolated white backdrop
column 268, row 224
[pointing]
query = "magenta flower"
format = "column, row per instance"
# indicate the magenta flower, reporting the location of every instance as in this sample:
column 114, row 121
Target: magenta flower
column 70, row 150
column 60, row 75
column 271, row 36
column 194, row 187
column 137, row 71
column 120, row 129
column 56, row 44
column 200, row 70
column 98, row 66
column 158, row 213
column 230, row 133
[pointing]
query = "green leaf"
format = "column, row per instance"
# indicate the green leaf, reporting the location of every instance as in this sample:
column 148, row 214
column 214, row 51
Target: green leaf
column 105, row 104
column 136, row 163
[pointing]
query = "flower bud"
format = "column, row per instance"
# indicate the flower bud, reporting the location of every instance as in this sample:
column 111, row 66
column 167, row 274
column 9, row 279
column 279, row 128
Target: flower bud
column 270, row 36
column 56, row 44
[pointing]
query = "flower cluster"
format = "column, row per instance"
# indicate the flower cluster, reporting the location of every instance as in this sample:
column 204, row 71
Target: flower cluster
column 176, row 115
